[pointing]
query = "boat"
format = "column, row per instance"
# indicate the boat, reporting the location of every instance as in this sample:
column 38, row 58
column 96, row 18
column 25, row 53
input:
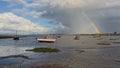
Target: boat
column 47, row 39
column 16, row 37
column 76, row 37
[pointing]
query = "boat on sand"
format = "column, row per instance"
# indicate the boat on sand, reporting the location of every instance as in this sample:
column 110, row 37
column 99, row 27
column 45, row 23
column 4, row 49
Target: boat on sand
column 46, row 40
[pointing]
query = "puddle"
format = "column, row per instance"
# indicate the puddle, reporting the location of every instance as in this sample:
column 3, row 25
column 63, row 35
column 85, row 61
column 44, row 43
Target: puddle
column 10, row 61
column 13, row 59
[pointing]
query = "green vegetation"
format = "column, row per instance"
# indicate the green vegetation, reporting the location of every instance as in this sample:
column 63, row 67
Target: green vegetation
column 44, row 50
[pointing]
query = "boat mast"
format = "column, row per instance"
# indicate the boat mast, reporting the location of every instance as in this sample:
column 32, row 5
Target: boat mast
column 16, row 37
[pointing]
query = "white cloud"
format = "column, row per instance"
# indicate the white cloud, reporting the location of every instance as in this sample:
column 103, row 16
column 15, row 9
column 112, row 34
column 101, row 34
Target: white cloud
column 54, row 3
column 66, row 3
column 36, row 14
column 16, row 1
column 9, row 21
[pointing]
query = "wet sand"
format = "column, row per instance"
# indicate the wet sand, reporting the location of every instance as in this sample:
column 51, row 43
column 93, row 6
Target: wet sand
column 82, row 53
column 85, row 53
column 51, row 66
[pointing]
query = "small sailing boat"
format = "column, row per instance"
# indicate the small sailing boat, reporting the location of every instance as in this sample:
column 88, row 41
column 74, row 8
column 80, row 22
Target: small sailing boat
column 76, row 37
column 16, row 37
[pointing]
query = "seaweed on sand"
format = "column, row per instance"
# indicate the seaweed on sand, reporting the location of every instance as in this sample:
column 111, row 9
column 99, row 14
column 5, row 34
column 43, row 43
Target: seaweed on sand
column 44, row 50
column 15, row 56
column 116, row 42
column 51, row 66
column 80, row 51
column 104, row 43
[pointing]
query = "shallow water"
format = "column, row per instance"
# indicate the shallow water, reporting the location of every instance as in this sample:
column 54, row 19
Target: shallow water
column 9, row 61
column 93, row 55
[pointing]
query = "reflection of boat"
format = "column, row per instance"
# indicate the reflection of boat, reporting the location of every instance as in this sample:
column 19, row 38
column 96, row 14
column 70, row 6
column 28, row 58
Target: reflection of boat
column 48, row 39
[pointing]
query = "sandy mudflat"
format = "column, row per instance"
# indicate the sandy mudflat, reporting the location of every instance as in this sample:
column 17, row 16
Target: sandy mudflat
column 82, row 53
column 51, row 66
column 86, row 53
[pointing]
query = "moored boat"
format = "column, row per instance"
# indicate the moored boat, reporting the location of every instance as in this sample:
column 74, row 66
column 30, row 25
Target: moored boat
column 46, row 40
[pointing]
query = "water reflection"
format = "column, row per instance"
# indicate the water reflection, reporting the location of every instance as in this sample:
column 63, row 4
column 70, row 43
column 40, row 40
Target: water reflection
column 10, row 50
column 11, row 61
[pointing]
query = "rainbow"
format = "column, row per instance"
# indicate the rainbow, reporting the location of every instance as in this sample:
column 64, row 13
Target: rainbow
column 93, row 24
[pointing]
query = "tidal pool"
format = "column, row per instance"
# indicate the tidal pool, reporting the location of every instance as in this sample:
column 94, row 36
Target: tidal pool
column 11, row 61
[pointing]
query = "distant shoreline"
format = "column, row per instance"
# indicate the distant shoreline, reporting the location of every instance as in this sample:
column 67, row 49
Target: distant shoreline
column 8, row 36
column 2, row 37
column 104, row 34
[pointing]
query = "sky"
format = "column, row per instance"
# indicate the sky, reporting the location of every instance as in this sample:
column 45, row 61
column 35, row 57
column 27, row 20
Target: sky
column 59, row 16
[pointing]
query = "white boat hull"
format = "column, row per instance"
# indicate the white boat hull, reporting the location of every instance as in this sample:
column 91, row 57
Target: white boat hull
column 46, row 40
